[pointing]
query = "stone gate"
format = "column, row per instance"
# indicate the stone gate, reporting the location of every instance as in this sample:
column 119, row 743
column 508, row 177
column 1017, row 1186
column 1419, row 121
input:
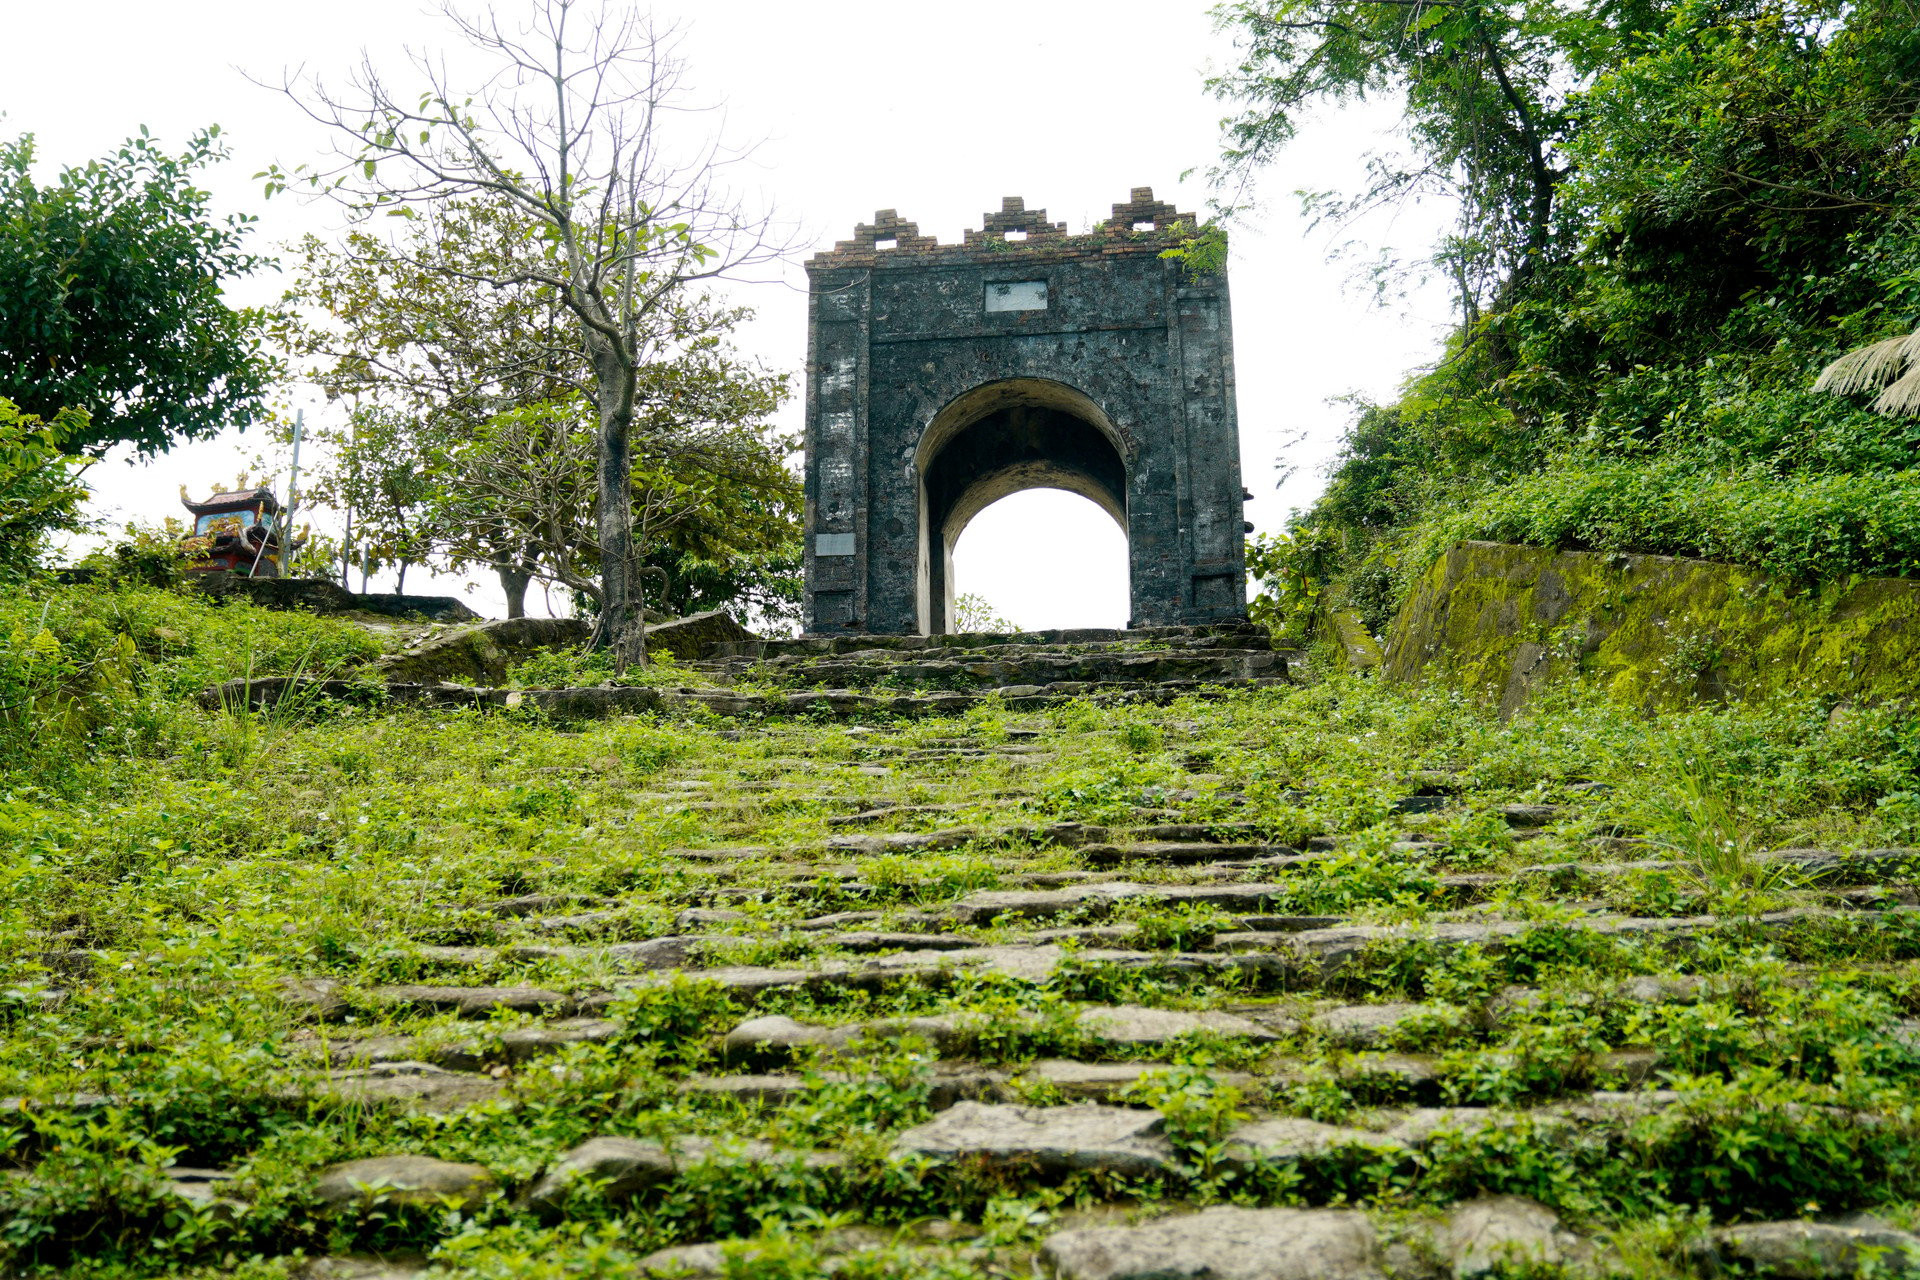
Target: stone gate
column 944, row 377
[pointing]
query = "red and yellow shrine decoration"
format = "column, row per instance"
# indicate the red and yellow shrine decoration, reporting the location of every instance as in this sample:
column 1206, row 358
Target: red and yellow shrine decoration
column 235, row 532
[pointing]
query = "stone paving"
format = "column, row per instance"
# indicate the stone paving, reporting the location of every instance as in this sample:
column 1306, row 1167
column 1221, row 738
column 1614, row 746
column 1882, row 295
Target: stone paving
column 1143, row 1010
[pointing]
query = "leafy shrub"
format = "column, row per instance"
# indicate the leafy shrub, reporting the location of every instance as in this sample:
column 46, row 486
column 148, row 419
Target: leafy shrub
column 84, row 663
column 40, row 489
column 578, row 668
column 1805, row 528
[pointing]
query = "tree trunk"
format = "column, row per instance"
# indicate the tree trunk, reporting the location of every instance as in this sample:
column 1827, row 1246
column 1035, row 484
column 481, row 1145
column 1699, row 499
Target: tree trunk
column 619, row 628
column 400, row 582
column 513, row 581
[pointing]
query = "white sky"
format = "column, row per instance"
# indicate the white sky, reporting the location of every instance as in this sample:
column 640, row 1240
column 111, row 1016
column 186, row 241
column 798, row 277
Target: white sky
column 935, row 110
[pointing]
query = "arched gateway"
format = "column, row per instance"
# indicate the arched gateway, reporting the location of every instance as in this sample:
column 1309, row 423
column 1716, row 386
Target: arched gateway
column 944, row 377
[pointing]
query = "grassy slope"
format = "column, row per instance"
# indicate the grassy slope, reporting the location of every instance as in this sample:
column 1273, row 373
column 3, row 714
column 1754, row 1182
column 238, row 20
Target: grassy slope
column 210, row 855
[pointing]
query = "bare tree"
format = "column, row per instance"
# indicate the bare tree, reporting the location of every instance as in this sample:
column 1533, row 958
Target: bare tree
column 572, row 126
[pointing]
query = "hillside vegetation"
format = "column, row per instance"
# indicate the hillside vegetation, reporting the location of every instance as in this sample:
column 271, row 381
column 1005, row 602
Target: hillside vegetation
column 1673, row 216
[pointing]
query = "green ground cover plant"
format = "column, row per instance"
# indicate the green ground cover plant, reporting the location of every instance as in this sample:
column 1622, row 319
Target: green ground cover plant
column 163, row 891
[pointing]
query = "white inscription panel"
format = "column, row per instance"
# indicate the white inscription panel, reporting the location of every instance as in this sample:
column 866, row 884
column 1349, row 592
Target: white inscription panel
column 1023, row 295
column 832, row 544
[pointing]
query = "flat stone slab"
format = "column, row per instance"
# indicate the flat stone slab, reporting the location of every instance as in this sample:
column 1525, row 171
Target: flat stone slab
column 625, row 1167
column 1531, row 815
column 351, row 1268
column 1043, row 904
column 1420, row 1126
column 1364, row 1026
column 862, row 940
column 625, row 957
column 778, row 1036
column 764, row 1090
column 1027, row 964
column 1290, row 1138
column 903, row 841
column 1410, row 1070
column 628, row 1166
column 745, row 981
column 1103, row 1081
column 945, row 1087
column 1091, row 1081
column 687, row 1262
column 409, row 1086
column 472, row 1002
column 1819, row 1250
column 1052, row 1139
column 1172, row 852
column 1499, row 1235
column 408, row 1180
column 525, row 1043
column 1227, row 1243
column 1137, row 1025
column 313, row 999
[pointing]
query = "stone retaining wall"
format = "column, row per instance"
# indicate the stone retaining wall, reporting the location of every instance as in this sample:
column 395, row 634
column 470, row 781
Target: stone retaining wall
column 1501, row 621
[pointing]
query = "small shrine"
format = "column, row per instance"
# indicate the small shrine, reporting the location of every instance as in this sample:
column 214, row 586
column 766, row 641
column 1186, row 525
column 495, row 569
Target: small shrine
column 236, row 532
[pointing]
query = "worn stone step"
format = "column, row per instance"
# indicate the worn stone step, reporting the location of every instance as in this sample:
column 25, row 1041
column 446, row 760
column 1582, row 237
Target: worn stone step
column 778, row 1038
column 1038, row 668
column 1327, row 951
column 626, row 1167
column 1043, row 904
column 1241, row 633
column 507, row 1048
column 601, row 702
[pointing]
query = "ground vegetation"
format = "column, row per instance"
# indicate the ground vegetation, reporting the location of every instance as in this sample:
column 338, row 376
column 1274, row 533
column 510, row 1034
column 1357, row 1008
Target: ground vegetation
column 812, row 994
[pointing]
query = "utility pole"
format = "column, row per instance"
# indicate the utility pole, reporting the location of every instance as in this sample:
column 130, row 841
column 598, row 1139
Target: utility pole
column 293, row 490
column 346, row 553
column 293, row 481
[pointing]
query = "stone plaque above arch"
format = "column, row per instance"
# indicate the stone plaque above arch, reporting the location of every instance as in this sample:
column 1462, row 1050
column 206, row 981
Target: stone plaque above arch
column 941, row 378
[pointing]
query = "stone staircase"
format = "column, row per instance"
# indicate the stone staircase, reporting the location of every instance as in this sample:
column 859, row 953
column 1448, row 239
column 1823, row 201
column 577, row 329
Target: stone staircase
column 1047, row 664
column 872, row 971
column 859, row 675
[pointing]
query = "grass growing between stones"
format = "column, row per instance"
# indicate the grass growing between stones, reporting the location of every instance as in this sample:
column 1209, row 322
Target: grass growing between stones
column 1333, row 944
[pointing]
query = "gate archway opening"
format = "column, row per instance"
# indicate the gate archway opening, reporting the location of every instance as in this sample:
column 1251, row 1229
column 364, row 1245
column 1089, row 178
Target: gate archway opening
column 1043, row 559
column 999, row 439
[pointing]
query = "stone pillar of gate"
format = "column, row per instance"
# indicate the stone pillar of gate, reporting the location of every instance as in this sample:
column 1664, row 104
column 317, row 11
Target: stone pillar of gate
column 941, row 377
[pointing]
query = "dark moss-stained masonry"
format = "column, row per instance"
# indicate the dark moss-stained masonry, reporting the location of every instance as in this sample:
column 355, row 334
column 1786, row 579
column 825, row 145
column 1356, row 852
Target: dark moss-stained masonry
column 944, row 377
column 1500, row 621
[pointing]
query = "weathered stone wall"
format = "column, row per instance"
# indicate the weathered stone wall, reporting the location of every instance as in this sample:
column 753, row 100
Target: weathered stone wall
column 1502, row 621
column 1107, row 372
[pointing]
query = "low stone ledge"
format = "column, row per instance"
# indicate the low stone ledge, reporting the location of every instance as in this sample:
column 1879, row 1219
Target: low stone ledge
column 602, row 701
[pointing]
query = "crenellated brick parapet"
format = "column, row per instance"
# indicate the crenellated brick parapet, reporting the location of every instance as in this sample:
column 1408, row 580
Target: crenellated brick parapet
column 1138, row 225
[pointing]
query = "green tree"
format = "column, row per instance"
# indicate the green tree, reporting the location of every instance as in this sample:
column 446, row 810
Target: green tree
column 1487, row 111
column 573, row 131
column 40, row 488
column 111, row 282
column 481, row 389
column 406, row 322
column 714, row 504
column 976, row 613
column 1672, row 216
column 376, row 467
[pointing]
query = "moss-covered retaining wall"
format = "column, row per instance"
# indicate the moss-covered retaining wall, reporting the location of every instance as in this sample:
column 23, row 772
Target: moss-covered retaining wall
column 1501, row 622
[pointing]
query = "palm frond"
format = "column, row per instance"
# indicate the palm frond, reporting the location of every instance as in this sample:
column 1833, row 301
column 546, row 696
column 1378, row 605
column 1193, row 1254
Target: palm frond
column 1865, row 368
